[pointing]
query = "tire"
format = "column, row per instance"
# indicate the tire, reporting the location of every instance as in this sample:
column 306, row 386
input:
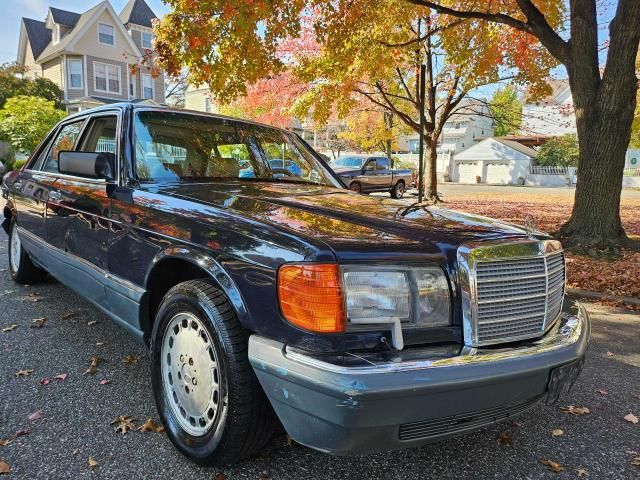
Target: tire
column 237, row 420
column 21, row 267
column 355, row 187
column 398, row 190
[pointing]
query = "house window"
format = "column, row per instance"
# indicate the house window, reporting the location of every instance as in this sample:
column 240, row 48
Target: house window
column 107, row 77
column 207, row 104
column 147, row 40
column 106, row 34
column 147, row 86
column 75, row 73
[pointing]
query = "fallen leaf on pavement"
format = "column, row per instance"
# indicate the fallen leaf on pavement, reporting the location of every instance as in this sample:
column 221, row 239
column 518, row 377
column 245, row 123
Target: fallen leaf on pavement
column 610, row 354
column 636, row 396
column 9, row 328
column 130, row 359
column 61, row 376
column 105, row 382
column 4, row 467
column 581, row 472
column 602, row 392
column 37, row 415
column 22, row 432
column 631, row 418
column 636, row 461
column 76, row 451
column 92, row 462
column 45, row 381
column 150, row 426
column 38, row 322
column 32, row 297
column 555, row 467
column 504, row 438
column 573, row 410
column 93, row 365
column 4, row 443
column 123, row 423
column 68, row 315
column 99, row 344
column 92, row 322
column 24, row 373
column 557, row 432
column 220, row 476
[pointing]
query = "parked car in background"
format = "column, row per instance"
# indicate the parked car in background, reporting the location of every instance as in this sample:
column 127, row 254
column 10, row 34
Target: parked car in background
column 366, row 174
column 265, row 296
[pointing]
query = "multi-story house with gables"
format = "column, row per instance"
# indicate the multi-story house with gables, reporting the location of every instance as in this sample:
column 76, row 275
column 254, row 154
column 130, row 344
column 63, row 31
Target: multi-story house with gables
column 89, row 55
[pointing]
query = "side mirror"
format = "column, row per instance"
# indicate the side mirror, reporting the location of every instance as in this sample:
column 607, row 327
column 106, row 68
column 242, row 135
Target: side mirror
column 88, row 164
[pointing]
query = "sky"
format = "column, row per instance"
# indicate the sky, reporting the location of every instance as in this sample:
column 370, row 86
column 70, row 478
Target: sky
column 14, row 10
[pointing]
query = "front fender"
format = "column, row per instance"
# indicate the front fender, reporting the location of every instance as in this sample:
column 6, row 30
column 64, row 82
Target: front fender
column 210, row 265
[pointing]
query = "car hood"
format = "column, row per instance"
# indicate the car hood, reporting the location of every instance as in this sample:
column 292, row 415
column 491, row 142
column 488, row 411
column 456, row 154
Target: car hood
column 338, row 216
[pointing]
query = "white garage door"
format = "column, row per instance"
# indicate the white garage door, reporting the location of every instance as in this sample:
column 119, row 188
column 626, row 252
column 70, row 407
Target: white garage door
column 498, row 172
column 467, row 172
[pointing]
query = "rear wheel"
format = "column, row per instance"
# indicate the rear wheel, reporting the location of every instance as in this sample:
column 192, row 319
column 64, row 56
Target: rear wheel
column 398, row 190
column 209, row 399
column 21, row 267
column 355, row 187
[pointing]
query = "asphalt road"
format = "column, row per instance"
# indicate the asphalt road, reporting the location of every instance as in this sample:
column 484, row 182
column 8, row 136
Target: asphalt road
column 77, row 411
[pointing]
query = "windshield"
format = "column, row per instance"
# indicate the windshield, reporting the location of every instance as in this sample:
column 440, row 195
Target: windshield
column 173, row 146
column 355, row 162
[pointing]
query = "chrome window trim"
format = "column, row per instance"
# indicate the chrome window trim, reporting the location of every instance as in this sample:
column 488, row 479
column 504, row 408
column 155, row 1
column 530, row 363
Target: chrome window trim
column 469, row 255
column 87, row 118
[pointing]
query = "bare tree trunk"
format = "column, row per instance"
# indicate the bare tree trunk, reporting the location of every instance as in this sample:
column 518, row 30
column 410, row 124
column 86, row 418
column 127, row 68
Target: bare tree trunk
column 604, row 109
column 388, row 119
column 430, row 172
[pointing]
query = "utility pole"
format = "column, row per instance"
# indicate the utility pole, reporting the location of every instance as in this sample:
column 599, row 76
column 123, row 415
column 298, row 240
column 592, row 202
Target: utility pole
column 423, row 73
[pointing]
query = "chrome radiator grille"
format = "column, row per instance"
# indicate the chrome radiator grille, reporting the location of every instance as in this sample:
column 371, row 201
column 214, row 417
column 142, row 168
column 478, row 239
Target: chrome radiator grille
column 513, row 291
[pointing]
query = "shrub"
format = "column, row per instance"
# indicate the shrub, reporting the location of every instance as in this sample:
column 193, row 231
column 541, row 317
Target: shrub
column 559, row 152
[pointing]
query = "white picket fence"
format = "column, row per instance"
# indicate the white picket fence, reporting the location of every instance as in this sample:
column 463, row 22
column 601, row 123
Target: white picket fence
column 549, row 170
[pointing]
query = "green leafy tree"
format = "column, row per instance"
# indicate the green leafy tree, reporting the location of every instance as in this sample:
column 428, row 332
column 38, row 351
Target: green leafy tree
column 559, row 151
column 14, row 83
column 506, row 110
column 24, row 121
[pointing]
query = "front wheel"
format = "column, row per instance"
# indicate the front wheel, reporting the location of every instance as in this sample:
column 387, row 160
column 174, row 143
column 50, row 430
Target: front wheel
column 21, row 267
column 398, row 190
column 355, row 187
column 208, row 397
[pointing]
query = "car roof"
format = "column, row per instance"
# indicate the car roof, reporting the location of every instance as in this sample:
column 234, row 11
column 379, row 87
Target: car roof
column 164, row 108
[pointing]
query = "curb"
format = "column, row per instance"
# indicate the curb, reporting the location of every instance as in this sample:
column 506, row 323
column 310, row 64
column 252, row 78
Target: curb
column 589, row 294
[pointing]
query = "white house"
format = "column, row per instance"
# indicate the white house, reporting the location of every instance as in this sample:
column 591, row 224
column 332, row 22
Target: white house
column 493, row 161
column 471, row 123
column 553, row 115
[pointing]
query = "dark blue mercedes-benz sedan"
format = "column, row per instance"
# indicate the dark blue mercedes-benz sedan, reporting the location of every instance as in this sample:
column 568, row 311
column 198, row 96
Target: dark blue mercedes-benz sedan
column 267, row 292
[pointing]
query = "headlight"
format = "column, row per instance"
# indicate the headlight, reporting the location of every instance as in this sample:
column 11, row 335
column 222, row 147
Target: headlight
column 418, row 296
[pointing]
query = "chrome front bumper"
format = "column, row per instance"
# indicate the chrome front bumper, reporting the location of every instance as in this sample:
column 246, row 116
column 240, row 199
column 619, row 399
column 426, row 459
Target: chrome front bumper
column 349, row 410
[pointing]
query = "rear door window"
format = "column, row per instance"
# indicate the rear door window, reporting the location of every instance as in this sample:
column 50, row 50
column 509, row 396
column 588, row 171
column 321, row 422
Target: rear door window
column 65, row 140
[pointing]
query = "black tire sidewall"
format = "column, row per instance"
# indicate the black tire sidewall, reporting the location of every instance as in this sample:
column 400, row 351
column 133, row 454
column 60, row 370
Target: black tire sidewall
column 355, row 187
column 201, row 449
column 398, row 190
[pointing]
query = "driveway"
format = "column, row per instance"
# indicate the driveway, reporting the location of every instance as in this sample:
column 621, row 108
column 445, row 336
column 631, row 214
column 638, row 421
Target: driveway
column 77, row 411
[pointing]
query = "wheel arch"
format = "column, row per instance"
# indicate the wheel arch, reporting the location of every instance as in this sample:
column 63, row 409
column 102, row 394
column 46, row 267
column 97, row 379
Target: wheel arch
column 175, row 265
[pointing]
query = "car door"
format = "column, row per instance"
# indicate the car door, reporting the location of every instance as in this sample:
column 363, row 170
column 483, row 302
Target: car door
column 368, row 177
column 31, row 190
column 78, row 211
column 384, row 173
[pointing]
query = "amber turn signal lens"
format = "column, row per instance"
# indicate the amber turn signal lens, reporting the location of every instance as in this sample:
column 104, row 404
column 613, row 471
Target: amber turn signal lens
column 310, row 297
